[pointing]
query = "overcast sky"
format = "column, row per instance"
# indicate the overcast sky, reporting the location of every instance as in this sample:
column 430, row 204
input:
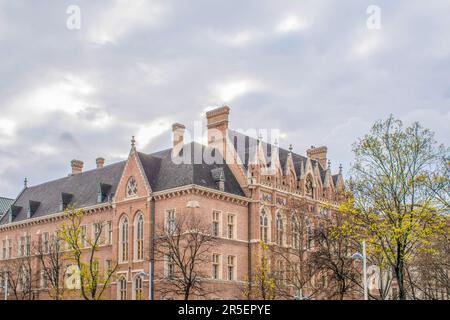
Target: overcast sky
column 309, row 68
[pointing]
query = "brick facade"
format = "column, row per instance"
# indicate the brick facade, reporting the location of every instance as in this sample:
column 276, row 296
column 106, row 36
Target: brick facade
column 249, row 188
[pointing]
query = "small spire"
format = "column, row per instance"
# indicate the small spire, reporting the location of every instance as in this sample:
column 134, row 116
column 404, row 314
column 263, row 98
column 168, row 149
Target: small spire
column 340, row 168
column 290, row 148
column 25, row 183
column 133, row 142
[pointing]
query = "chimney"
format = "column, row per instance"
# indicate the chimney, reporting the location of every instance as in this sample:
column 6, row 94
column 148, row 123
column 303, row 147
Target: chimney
column 177, row 138
column 217, row 122
column 319, row 154
column 77, row 167
column 100, row 162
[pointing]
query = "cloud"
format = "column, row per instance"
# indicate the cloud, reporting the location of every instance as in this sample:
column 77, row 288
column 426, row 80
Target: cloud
column 123, row 17
column 311, row 69
column 227, row 92
column 291, row 23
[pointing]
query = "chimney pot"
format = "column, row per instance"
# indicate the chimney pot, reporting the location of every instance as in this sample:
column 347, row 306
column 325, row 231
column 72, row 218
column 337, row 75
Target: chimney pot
column 217, row 123
column 77, row 166
column 319, row 154
column 177, row 138
column 100, row 162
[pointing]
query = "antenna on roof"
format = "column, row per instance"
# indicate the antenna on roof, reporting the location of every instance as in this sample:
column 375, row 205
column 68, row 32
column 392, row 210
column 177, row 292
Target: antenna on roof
column 340, row 168
column 329, row 164
column 25, row 183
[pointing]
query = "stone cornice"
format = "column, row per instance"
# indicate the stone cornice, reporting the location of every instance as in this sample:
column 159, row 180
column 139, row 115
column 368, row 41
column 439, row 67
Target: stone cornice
column 203, row 191
column 101, row 207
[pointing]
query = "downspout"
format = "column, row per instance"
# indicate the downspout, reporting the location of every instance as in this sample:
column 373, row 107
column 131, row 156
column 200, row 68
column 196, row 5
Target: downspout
column 152, row 251
column 249, row 233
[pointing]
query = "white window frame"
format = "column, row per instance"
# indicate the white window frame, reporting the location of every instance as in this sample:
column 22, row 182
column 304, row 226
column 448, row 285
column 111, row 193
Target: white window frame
column 139, row 237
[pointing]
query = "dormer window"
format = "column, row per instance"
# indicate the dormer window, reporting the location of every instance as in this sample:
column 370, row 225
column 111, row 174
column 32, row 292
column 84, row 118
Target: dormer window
column 132, row 187
column 102, row 193
column 65, row 201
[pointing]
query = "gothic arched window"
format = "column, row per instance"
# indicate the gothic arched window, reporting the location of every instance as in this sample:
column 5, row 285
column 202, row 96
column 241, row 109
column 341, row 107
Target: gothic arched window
column 264, row 226
column 139, row 237
column 123, row 239
column 122, row 288
column 309, row 189
column 138, row 293
column 280, row 229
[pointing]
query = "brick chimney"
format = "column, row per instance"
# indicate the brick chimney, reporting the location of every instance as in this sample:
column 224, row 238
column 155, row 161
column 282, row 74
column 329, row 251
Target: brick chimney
column 177, row 138
column 100, row 162
column 217, row 122
column 77, row 166
column 319, row 154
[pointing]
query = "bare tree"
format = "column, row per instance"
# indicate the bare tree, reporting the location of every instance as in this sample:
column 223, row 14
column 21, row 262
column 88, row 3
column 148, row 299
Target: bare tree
column 184, row 245
column 298, row 270
column 51, row 259
column 22, row 282
column 332, row 256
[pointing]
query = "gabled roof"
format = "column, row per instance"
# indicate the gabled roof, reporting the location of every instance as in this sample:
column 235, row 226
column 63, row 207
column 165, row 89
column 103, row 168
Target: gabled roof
column 247, row 151
column 83, row 187
column 163, row 173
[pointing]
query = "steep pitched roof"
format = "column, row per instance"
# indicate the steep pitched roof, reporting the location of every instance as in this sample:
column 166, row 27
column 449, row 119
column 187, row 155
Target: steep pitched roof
column 83, row 187
column 81, row 190
column 5, row 204
column 164, row 174
column 246, row 148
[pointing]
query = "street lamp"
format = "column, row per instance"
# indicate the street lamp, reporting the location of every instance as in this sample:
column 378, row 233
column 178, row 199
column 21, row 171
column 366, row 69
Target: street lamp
column 145, row 274
column 359, row 256
column 5, row 286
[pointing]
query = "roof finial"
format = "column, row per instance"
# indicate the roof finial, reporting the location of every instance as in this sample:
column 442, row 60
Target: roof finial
column 25, row 183
column 329, row 164
column 290, row 148
column 340, row 168
column 133, row 142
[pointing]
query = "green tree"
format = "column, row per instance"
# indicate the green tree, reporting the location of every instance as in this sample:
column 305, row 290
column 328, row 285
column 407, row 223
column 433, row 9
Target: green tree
column 394, row 203
column 263, row 284
column 82, row 250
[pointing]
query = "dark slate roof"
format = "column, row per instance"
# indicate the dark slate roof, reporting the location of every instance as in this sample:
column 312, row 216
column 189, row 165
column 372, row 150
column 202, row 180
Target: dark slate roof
column 5, row 204
column 81, row 190
column 335, row 179
column 163, row 173
column 247, row 151
column 83, row 187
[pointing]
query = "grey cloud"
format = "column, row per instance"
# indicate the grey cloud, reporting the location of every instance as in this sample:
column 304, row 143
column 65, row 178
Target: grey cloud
column 311, row 83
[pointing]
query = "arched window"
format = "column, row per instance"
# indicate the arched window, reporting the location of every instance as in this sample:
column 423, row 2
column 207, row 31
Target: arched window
column 295, row 232
column 122, row 286
column 264, row 226
column 309, row 234
column 280, row 229
column 139, row 237
column 309, row 186
column 281, row 272
column 132, row 187
column 123, row 235
column 138, row 293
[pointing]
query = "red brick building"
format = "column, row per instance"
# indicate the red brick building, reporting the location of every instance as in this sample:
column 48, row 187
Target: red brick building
column 243, row 194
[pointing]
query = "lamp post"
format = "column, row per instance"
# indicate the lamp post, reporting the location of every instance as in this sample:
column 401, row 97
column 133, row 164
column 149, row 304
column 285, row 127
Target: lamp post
column 145, row 274
column 359, row 256
column 5, row 285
